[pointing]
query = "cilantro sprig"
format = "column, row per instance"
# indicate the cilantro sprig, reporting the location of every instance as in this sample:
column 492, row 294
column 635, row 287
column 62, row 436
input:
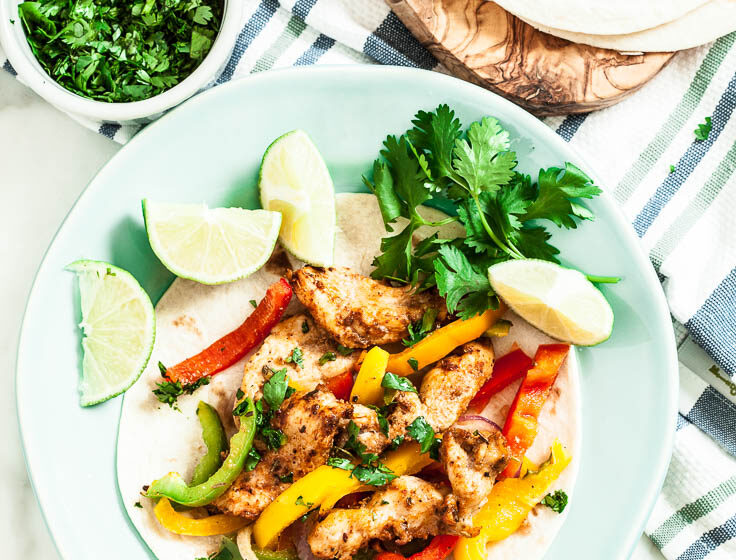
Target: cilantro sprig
column 120, row 50
column 366, row 467
column 502, row 210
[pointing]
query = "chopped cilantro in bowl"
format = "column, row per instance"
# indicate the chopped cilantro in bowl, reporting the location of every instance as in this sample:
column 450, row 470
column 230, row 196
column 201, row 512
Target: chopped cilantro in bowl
column 31, row 71
column 117, row 50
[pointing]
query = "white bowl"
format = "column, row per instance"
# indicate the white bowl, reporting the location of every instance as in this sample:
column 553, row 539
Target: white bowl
column 30, row 72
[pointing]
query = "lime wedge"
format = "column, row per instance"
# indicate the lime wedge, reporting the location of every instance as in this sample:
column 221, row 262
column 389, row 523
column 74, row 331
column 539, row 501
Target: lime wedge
column 558, row 301
column 210, row 245
column 294, row 180
column 119, row 330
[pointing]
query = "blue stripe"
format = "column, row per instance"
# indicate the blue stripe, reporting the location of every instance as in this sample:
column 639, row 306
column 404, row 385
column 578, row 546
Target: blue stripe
column 713, row 326
column 570, row 126
column 688, row 162
column 302, row 8
column 709, row 541
column 321, row 45
column 8, row 68
column 265, row 11
column 391, row 43
column 109, row 130
column 715, row 415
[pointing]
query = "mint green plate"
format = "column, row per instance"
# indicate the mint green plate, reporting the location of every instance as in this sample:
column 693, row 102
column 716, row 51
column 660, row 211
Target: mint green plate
column 209, row 150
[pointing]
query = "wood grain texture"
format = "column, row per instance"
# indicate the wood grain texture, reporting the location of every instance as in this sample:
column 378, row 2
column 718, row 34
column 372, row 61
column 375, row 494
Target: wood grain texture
column 482, row 43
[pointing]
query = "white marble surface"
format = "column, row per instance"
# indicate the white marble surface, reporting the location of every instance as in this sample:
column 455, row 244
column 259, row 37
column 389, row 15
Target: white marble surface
column 46, row 159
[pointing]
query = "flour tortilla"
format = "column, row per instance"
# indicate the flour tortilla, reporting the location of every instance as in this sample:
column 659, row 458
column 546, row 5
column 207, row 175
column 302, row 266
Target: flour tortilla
column 702, row 25
column 153, row 439
column 600, row 17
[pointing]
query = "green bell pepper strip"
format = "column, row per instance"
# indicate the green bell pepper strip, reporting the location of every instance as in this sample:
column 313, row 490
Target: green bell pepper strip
column 172, row 485
column 264, row 554
column 214, row 438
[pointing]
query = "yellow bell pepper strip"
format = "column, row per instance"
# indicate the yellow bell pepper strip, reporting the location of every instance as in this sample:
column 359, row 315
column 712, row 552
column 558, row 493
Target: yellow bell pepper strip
column 214, row 438
column 510, row 502
column 325, row 486
column 172, row 485
column 367, row 387
column 182, row 524
column 407, row 459
column 444, row 340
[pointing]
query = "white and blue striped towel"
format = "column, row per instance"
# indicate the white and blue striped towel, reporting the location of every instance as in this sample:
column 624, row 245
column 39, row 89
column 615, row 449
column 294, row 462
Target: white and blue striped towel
column 685, row 220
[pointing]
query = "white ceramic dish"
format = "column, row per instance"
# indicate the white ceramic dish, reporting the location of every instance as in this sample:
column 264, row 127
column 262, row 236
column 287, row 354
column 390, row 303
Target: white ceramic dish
column 30, row 72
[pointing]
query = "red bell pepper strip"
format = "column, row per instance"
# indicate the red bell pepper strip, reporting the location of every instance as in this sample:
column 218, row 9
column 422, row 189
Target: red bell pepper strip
column 522, row 421
column 507, row 369
column 233, row 346
column 437, row 549
column 341, row 385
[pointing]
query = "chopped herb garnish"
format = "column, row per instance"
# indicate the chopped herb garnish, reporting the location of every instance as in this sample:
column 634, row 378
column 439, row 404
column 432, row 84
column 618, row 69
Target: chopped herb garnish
column 287, row 477
column 162, row 369
column 169, row 391
column 397, row 441
column 413, row 363
column 274, row 390
column 381, row 417
column 138, row 505
column 300, row 502
column 556, row 501
column 296, row 357
column 420, row 329
column 703, row 130
column 384, row 503
column 242, row 407
column 422, row 433
column 672, row 168
column 239, row 394
column 344, row 350
column 120, row 50
column 327, row 357
column 379, row 475
column 252, row 460
column 305, row 327
column 340, row 463
column 393, row 381
column 254, row 303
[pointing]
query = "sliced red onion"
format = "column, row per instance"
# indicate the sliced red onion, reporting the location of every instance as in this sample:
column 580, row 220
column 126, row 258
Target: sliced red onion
column 303, row 529
column 476, row 422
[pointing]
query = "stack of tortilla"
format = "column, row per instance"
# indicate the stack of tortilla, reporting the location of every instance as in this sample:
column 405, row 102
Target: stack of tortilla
column 629, row 25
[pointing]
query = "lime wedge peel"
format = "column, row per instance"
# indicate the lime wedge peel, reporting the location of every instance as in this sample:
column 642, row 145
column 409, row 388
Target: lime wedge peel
column 559, row 301
column 119, row 327
column 294, row 180
column 210, row 245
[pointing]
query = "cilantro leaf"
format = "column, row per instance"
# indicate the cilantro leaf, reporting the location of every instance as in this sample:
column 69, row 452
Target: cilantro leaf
column 434, row 135
column 557, row 189
column 344, row 350
column 556, row 501
column 703, row 130
column 383, row 187
column 274, row 390
column 373, row 476
column 465, row 288
column 422, row 433
column 327, row 357
column 483, row 160
column 340, row 463
column 252, row 459
column 168, row 392
column 296, row 357
column 393, row 381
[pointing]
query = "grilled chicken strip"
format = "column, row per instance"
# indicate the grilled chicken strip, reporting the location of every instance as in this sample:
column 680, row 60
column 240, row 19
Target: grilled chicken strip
column 310, row 422
column 408, row 508
column 370, row 435
column 472, row 461
column 446, row 389
column 278, row 346
column 360, row 311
